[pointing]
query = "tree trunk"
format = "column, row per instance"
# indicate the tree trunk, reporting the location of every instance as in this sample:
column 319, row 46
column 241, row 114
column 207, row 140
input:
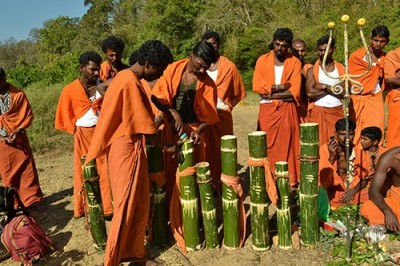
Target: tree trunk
column 283, row 208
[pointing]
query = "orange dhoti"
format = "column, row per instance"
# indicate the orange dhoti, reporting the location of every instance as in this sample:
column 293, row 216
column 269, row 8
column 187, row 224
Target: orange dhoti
column 326, row 118
column 212, row 138
column 281, row 124
column 18, row 170
column 82, row 138
column 131, row 189
column 393, row 125
column 374, row 215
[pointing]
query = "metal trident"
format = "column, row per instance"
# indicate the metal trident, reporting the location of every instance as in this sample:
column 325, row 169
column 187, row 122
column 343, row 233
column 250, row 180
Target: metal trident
column 355, row 88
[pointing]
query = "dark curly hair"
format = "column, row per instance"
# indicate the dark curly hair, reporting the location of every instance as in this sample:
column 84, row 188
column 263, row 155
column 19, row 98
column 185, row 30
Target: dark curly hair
column 283, row 34
column 133, row 57
column 205, row 51
column 325, row 39
column 88, row 56
column 113, row 43
column 211, row 34
column 341, row 124
column 374, row 133
column 156, row 53
column 2, row 73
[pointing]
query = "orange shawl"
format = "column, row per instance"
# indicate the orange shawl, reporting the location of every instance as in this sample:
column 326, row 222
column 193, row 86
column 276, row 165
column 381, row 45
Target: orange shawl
column 392, row 66
column 358, row 65
column 105, row 71
column 20, row 113
column 229, row 83
column 72, row 105
column 126, row 112
column 264, row 75
column 205, row 102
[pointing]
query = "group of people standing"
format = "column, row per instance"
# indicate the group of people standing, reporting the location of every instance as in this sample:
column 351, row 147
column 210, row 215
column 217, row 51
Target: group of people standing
column 113, row 110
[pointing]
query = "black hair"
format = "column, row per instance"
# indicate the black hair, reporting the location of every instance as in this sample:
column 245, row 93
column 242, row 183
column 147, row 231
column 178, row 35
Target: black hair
column 113, row 43
column 88, row 56
column 283, row 34
column 325, row 39
column 133, row 57
column 374, row 133
column 156, row 53
column 205, row 51
column 211, row 34
column 381, row 31
column 341, row 124
column 2, row 73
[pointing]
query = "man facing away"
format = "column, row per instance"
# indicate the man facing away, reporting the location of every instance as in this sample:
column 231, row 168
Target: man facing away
column 231, row 91
column 112, row 47
column 368, row 106
column 277, row 79
column 325, row 107
column 17, row 166
column 126, row 122
column 380, row 210
column 77, row 113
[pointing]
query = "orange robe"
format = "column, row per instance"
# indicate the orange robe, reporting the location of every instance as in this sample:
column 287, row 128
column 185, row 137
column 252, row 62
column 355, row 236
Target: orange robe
column 72, row 105
column 392, row 67
column 326, row 117
column 125, row 118
column 334, row 184
column 106, row 71
column 302, row 108
column 368, row 106
column 205, row 103
column 17, row 166
column 279, row 119
column 231, row 90
column 374, row 215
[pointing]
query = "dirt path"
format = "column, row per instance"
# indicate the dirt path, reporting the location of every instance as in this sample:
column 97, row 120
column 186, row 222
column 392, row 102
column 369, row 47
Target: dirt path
column 73, row 241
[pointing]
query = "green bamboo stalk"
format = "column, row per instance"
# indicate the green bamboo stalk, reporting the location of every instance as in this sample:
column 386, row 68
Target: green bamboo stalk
column 230, row 200
column 283, row 208
column 309, row 161
column 159, row 205
column 259, row 200
column 95, row 215
column 207, row 200
column 189, row 200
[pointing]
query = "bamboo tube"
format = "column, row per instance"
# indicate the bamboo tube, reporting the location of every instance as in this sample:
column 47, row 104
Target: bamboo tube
column 259, row 200
column 283, row 208
column 230, row 200
column 309, row 161
column 159, row 226
column 95, row 215
column 189, row 200
column 207, row 205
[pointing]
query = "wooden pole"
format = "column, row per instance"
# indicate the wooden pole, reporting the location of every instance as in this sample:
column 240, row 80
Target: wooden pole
column 95, row 216
column 159, row 225
column 283, row 208
column 230, row 200
column 309, row 161
column 259, row 200
column 207, row 205
column 189, row 200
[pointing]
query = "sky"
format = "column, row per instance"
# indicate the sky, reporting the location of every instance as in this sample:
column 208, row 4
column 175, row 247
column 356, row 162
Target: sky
column 18, row 17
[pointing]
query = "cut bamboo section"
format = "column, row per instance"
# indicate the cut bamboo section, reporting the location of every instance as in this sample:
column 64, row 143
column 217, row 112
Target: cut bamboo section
column 283, row 208
column 230, row 199
column 207, row 200
column 95, row 215
column 189, row 200
column 309, row 162
column 159, row 224
column 259, row 201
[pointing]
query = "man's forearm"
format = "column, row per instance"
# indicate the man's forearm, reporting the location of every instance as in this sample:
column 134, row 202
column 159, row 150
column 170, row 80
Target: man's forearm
column 200, row 129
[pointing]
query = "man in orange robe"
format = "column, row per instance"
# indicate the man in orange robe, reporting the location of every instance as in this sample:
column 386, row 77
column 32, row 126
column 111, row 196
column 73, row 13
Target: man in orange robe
column 332, row 168
column 392, row 79
column 231, row 91
column 380, row 210
column 113, row 48
column 17, row 166
column 277, row 79
column 368, row 106
column 190, row 97
column 77, row 113
column 325, row 107
column 299, row 50
column 125, row 123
